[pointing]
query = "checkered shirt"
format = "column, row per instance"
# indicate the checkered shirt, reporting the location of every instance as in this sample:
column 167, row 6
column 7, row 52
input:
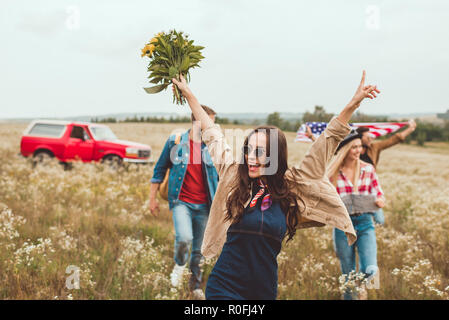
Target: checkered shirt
column 368, row 183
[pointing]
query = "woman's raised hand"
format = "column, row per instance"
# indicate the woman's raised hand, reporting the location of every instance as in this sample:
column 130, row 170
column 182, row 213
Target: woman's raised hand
column 182, row 85
column 309, row 133
column 364, row 91
column 197, row 110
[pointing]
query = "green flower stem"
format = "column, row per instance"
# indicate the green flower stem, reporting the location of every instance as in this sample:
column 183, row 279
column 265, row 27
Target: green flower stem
column 183, row 100
column 177, row 94
column 179, row 97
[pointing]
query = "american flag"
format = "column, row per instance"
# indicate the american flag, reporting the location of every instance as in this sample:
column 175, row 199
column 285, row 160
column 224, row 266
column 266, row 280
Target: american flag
column 377, row 129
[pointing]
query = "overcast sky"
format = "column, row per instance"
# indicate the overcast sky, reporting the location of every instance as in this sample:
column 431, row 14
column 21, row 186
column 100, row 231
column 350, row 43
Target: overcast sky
column 68, row 58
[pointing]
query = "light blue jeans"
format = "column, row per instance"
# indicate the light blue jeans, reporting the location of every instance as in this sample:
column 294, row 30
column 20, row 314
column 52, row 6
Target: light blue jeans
column 190, row 221
column 379, row 216
column 366, row 247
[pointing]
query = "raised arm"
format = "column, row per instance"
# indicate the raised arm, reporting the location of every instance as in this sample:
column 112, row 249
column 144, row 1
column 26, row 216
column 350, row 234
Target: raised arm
column 320, row 153
column 362, row 92
column 213, row 137
column 309, row 134
column 409, row 130
column 198, row 112
column 396, row 138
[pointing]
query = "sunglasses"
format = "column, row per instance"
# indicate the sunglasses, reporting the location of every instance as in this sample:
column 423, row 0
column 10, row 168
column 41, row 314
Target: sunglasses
column 259, row 151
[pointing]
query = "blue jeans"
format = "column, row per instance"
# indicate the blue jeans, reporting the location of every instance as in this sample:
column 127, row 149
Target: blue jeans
column 379, row 216
column 190, row 221
column 366, row 247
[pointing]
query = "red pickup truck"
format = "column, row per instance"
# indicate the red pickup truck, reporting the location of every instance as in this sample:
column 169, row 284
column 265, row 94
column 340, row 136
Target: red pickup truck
column 69, row 141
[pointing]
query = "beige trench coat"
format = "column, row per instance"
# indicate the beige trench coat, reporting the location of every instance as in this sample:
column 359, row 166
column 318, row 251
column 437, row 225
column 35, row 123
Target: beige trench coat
column 323, row 205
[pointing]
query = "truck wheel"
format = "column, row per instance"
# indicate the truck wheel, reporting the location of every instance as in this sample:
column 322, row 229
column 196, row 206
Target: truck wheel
column 67, row 166
column 113, row 161
column 42, row 157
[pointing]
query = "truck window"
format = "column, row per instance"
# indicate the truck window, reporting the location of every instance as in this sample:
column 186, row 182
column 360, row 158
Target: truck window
column 102, row 133
column 48, row 130
column 79, row 133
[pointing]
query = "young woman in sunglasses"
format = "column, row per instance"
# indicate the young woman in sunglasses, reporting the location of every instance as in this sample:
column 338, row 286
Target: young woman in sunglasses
column 260, row 201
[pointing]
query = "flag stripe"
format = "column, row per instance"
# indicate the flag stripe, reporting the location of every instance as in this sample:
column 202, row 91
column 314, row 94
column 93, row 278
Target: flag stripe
column 377, row 129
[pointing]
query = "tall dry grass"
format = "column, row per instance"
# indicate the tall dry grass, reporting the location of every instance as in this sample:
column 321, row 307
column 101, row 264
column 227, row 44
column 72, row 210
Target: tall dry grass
column 97, row 219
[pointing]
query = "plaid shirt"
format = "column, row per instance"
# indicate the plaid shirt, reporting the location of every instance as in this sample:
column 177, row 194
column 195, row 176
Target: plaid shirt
column 368, row 182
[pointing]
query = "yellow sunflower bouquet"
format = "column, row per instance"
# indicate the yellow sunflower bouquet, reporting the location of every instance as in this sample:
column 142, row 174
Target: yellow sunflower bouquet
column 171, row 54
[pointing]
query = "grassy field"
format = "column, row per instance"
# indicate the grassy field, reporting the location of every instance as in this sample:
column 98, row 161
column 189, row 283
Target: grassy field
column 97, row 220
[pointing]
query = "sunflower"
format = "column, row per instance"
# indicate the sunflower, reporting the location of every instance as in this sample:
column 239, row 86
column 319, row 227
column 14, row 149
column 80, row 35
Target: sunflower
column 170, row 55
column 155, row 39
column 148, row 50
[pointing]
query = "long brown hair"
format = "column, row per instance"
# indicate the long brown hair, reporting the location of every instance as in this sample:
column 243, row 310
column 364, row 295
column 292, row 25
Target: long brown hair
column 337, row 162
column 277, row 184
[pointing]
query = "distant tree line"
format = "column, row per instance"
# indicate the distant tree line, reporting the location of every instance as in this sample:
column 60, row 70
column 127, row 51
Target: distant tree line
column 425, row 132
column 221, row 120
column 171, row 119
column 319, row 114
column 104, row 120
column 274, row 119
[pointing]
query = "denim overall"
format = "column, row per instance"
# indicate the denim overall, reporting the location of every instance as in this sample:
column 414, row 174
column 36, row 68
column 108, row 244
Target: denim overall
column 247, row 267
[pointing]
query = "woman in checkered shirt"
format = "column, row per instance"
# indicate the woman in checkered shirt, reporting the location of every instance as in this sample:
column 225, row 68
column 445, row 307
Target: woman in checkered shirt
column 358, row 186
